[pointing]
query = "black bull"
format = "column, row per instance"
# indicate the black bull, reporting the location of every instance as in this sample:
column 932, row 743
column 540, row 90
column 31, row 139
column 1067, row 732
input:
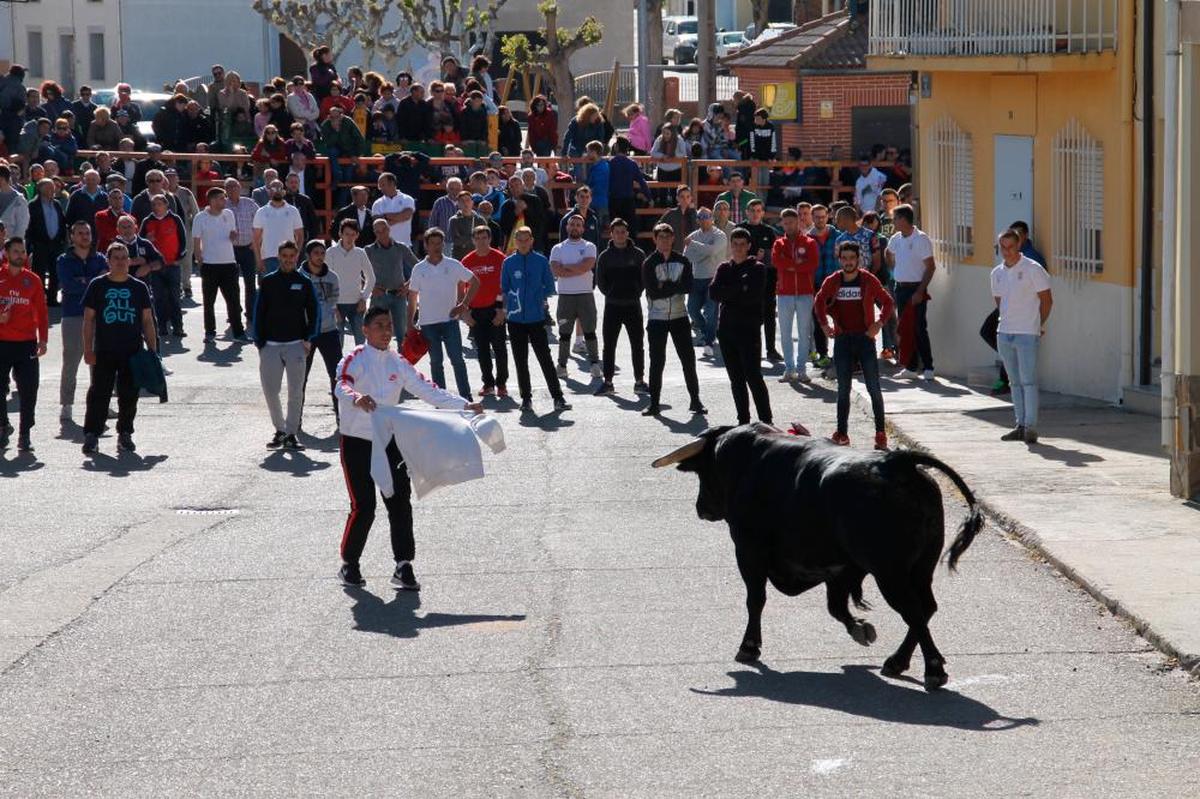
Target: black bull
column 803, row 511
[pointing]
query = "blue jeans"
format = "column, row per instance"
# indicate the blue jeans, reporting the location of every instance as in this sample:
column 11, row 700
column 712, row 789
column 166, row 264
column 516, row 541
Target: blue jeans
column 449, row 335
column 703, row 310
column 1019, row 351
column 397, row 305
column 795, row 308
column 846, row 349
column 352, row 321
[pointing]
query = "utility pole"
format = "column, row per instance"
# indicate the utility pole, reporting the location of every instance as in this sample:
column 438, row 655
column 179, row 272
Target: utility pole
column 706, row 56
column 643, row 49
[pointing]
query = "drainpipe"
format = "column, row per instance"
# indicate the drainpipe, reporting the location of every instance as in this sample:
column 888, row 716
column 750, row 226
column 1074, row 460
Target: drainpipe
column 1170, row 206
column 1146, row 300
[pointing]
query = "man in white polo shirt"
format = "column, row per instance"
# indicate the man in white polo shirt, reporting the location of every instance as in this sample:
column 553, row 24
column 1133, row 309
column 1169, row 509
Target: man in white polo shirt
column 571, row 262
column 1021, row 289
column 910, row 257
column 396, row 207
column 435, row 292
column 214, row 231
column 275, row 223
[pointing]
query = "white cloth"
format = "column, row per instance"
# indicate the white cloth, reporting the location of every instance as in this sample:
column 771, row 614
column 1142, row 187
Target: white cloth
column 382, row 375
column 437, row 287
column 397, row 203
column 570, row 253
column 1017, row 287
column 867, row 189
column 356, row 276
column 278, row 225
column 213, row 232
column 909, row 254
column 440, row 448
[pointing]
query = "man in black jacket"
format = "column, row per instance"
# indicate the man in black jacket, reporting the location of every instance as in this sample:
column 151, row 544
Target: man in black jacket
column 308, row 213
column 619, row 278
column 46, row 236
column 286, row 320
column 359, row 210
column 156, row 183
column 667, row 276
column 738, row 286
column 415, row 116
column 87, row 200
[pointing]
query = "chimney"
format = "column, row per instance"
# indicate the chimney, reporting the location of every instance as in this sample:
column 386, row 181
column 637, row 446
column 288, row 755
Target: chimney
column 808, row 10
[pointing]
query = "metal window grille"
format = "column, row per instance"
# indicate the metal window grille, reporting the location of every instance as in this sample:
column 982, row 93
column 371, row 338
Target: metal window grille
column 1078, row 193
column 948, row 197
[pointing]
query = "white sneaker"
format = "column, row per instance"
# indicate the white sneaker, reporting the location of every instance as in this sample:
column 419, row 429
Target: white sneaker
column 562, row 373
column 597, row 370
column 802, row 376
column 928, row 374
column 906, row 374
column 708, row 351
column 579, row 347
column 65, row 414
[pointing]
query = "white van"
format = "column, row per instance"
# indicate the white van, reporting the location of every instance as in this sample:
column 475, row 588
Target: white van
column 673, row 29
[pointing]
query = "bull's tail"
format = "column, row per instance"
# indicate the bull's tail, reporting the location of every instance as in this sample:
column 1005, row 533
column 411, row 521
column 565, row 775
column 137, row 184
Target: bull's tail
column 974, row 521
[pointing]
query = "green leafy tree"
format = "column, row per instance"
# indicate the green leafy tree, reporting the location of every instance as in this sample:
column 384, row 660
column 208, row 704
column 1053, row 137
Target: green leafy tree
column 553, row 59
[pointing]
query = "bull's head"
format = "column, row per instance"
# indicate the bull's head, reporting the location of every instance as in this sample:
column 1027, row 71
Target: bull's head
column 699, row 456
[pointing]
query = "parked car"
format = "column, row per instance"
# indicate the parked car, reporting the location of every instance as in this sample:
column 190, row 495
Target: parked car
column 685, row 49
column 150, row 103
column 676, row 28
column 772, row 30
column 729, row 42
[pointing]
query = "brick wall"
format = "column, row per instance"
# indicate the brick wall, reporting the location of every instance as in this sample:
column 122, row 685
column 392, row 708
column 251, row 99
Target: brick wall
column 845, row 92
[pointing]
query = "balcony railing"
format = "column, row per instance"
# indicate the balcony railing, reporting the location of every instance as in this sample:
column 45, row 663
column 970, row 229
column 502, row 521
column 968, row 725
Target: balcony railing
column 992, row 27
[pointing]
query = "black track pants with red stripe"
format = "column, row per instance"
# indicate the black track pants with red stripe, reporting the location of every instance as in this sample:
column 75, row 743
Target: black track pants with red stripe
column 356, row 467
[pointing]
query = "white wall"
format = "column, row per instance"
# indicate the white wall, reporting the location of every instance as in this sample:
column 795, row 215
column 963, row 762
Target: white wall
column 1084, row 352
column 56, row 17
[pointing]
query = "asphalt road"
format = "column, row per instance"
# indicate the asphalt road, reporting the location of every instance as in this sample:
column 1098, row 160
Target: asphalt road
column 170, row 624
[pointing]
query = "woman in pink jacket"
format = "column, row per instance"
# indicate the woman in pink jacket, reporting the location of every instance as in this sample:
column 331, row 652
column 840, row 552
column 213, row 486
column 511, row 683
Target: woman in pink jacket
column 640, row 135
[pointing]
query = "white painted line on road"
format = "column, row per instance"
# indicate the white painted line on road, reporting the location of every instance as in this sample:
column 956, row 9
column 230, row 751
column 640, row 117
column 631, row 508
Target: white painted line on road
column 828, row 766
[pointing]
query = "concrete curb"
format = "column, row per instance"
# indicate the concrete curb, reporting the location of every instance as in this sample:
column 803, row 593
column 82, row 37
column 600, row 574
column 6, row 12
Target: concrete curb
column 1188, row 661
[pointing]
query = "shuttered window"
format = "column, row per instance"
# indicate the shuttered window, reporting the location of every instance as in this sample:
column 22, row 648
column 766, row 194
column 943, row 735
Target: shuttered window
column 1078, row 192
column 948, row 199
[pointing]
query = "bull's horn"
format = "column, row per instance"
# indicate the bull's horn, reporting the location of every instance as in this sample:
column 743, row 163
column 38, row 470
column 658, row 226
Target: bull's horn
column 689, row 449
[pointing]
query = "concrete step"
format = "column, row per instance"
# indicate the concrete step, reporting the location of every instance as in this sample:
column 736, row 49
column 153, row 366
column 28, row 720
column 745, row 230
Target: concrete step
column 1142, row 399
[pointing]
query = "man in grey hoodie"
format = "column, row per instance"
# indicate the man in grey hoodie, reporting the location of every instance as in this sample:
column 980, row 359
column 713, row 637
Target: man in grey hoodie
column 705, row 248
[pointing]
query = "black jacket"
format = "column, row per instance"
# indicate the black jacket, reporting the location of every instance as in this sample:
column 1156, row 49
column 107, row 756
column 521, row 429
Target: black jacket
column 739, row 288
column 365, row 236
column 308, row 213
column 81, row 206
column 415, row 120
column 619, row 274
column 141, row 204
column 44, row 248
column 510, row 138
column 763, row 236
column 139, row 174
column 287, row 308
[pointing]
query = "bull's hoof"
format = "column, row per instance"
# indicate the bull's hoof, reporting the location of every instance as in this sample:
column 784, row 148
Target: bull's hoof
column 935, row 680
column 893, row 667
column 863, row 633
column 747, row 654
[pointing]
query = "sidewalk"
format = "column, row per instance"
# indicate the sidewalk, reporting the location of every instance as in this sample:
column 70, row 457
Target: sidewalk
column 1091, row 496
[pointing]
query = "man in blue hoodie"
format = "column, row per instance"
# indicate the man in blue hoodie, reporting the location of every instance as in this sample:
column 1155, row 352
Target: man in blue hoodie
column 76, row 267
column 526, row 282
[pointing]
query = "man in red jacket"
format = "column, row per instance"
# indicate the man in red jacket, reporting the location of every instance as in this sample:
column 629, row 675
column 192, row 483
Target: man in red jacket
column 164, row 229
column 795, row 257
column 851, row 296
column 24, row 330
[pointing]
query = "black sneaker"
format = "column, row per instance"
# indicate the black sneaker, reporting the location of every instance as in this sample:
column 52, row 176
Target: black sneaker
column 697, row 407
column 277, row 440
column 6, row 431
column 774, row 357
column 179, row 334
column 290, row 442
column 90, row 443
column 210, row 338
column 526, row 406
column 404, row 579
column 605, row 390
column 653, row 410
column 640, row 387
column 350, row 575
column 125, row 443
column 23, row 442
column 1016, row 434
column 561, row 404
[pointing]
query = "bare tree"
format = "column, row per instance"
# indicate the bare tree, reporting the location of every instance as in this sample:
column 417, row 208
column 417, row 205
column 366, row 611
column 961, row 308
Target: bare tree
column 553, row 59
column 760, row 10
column 337, row 23
column 450, row 26
column 652, row 93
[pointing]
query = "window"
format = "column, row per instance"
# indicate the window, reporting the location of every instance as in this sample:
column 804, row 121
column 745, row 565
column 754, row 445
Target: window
column 949, row 192
column 36, row 65
column 96, row 54
column 1078, row 192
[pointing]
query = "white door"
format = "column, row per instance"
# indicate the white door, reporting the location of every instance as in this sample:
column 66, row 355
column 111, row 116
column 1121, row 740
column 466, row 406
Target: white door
column 1014, row 181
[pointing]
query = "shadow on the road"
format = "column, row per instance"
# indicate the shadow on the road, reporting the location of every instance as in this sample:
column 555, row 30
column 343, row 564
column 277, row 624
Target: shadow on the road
column 398, row 617
column 549, row 421
column 1067, row 457
column 889, row 383
column 327, row 444
column 292, row 462
column 122, row 464
column 638, row 401
column 221, row 357
column 860, row 691
column 22, row 462
column 696, row 423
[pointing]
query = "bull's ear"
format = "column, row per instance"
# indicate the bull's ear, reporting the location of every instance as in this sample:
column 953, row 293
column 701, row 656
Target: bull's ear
column 693, row 447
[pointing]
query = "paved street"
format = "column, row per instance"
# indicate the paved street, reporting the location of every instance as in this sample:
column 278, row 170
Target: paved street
column 170, row 624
